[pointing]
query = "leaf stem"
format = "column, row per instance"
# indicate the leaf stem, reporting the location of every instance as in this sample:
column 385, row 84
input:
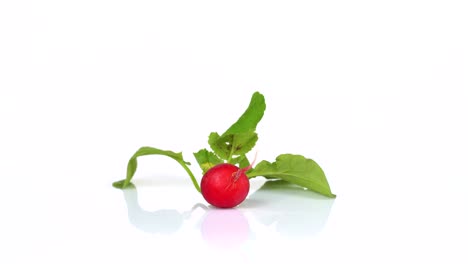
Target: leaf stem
column 231, row 153
column 192, row 177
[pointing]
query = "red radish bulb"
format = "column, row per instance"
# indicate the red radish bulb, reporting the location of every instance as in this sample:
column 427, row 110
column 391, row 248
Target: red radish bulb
column 225, row 185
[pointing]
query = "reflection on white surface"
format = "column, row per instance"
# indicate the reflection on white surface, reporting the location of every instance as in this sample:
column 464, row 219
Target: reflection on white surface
column 163, row 221
column 225, row 228
column 288, row 209
column 295, row 211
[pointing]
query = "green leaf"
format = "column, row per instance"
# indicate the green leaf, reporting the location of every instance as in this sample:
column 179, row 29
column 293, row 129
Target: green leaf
column 241, row 160
column 206, row 159
column 243, row 142
column 250, row 118
column 240, row 138
column 222, row 150
column 294, row 169
column 120, row 184
column 144, row 151
column 230, row 145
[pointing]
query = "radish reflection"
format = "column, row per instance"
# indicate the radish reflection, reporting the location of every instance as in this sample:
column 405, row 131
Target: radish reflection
column 291, row 210
column 294, row 211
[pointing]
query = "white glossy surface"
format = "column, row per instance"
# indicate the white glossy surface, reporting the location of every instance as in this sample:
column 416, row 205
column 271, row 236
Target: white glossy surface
column 375, row 93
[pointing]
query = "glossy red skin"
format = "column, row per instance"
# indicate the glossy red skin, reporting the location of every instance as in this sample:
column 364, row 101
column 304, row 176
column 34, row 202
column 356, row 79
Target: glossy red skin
column 220, row 187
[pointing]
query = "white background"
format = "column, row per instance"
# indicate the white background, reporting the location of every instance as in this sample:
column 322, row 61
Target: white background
column 375, row 91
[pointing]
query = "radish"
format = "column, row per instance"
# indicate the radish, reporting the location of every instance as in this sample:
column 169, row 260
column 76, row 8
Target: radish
column 225, row 185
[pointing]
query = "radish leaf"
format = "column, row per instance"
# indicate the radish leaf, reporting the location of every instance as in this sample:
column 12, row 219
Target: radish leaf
column 241, row 160
column 240, row 138
column 250, row 118
column 144, row 151
column 294, row 169
column 206, row 159
column 230, row 145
